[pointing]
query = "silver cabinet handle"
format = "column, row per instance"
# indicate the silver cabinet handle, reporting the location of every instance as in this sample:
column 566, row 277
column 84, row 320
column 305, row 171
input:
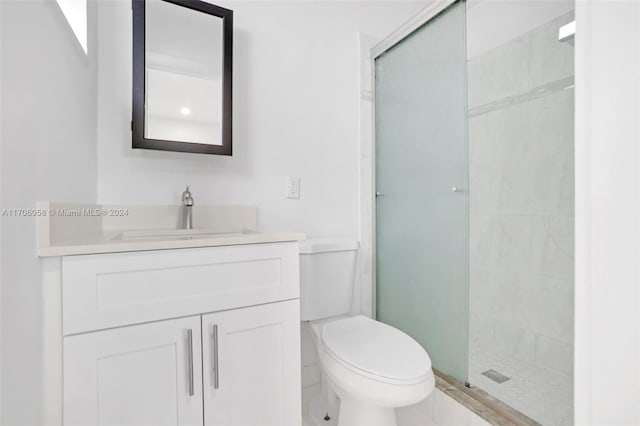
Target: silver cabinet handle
column 456, row 189
column 214, row 351
column 379, row 194
column 190, row 349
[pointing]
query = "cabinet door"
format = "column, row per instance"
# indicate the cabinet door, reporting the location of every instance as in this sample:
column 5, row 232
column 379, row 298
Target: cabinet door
column 149, row 374
column 257, row 354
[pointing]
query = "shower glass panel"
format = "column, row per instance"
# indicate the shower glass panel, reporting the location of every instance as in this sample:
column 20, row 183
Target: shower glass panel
column 422, row 182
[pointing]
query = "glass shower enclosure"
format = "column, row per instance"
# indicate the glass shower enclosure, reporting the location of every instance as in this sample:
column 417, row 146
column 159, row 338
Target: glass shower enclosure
column 474, row 151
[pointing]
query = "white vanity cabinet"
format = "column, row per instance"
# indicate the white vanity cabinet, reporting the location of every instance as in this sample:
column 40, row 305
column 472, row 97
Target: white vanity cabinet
column 249, row 376
column 206, row 336
column 147, row 374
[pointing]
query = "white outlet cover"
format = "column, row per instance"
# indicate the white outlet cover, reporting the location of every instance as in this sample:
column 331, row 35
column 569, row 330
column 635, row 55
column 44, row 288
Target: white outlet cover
column 293, row 187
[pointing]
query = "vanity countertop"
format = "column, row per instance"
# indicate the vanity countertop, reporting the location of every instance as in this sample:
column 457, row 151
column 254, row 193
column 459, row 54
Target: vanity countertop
column 68, row 230
column 116, row 245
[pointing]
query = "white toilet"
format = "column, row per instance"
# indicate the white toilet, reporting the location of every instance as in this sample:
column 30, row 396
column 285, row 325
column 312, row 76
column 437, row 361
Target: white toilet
column 369, row 368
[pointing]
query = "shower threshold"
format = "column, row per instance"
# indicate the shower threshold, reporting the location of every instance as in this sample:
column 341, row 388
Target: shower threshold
column 481, row 403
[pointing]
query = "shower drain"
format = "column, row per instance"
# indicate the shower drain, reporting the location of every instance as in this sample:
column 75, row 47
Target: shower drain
column 495, row 376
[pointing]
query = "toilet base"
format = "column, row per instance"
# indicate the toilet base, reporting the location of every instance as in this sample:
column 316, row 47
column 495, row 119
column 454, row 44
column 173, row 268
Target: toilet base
column 359, row 413
column 323, row 408
column 350, row 413
column 319, row 411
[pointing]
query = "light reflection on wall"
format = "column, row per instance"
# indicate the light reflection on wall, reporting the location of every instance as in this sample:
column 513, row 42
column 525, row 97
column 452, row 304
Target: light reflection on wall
column 75, row 11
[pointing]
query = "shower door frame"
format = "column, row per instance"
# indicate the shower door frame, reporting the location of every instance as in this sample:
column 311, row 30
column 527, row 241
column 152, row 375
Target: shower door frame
column 369, row 229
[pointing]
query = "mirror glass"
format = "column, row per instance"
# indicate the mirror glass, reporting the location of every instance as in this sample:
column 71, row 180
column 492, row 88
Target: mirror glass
column 183, row 66
column 182, row 76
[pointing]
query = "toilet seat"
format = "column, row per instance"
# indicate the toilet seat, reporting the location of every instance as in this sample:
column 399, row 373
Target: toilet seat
column 377, row 351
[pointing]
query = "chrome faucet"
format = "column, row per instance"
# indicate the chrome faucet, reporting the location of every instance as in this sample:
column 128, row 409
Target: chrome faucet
column 187, row 209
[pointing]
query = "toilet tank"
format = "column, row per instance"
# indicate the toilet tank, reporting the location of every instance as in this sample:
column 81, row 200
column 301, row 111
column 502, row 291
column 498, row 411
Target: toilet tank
column 327, row 276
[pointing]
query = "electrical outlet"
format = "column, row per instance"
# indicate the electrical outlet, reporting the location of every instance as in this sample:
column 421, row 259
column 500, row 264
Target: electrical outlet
column 293, row 187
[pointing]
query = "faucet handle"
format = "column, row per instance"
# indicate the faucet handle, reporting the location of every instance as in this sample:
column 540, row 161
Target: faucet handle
column 187, row 198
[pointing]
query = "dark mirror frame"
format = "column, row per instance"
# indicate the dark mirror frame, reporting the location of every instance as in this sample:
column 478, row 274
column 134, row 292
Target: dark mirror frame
column 138, row 116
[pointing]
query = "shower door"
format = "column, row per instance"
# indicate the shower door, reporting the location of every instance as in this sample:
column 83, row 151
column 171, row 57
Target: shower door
column 421, row 184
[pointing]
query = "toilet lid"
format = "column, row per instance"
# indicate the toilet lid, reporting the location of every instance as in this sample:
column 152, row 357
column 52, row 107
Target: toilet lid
column 376, row 348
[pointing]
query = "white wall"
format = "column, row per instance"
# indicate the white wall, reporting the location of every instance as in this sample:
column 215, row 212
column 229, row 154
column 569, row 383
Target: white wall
column 48, row 152
column 296, row 87
column 607, row 364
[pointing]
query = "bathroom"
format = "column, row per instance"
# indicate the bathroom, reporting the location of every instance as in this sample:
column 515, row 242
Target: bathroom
column 306, row 86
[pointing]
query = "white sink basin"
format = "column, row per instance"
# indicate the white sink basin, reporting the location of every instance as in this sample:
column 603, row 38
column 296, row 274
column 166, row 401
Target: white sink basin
column 180, row 234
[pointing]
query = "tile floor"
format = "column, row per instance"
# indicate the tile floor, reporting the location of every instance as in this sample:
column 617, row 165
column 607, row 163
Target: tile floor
column 437, row 410
column 543, row 395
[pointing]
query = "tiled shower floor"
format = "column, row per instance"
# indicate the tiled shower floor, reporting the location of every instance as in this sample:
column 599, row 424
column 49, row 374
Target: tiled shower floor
column 541, row 394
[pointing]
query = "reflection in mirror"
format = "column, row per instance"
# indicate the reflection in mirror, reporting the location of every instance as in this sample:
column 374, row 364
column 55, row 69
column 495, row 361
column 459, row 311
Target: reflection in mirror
column 185, row 86
column 184, row 74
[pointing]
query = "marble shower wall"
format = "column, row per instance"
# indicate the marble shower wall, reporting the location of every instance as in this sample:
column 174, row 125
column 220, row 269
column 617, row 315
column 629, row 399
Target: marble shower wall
column 521, row 148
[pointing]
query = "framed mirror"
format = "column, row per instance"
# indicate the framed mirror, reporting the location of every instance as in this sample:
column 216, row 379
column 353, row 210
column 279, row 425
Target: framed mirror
column 182, row 71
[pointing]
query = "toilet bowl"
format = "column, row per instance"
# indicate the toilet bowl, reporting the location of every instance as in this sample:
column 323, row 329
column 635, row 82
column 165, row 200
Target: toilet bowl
column 372, row 368
column 369, row 368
